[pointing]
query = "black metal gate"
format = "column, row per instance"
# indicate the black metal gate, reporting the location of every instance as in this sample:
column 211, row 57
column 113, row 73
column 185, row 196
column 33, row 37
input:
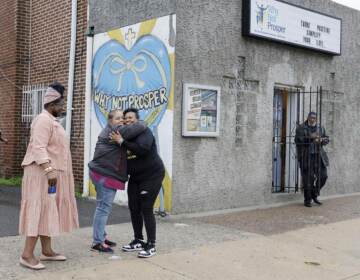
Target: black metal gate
column 290, row 109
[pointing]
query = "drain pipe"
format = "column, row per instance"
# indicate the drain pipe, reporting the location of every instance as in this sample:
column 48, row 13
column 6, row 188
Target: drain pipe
column 29, row 56
column 69, row 101
column 87, row 126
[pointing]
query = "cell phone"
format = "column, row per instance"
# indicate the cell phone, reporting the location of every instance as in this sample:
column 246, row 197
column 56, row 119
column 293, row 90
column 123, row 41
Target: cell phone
column 52, row 189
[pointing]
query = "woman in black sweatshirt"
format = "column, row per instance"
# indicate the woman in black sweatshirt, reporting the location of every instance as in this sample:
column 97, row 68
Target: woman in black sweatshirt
column 147, row 172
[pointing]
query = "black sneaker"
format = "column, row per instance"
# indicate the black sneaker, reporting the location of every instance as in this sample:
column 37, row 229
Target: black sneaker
column 110, row 243
column 317, row 201
column 148, row 251
column 307, row 204
column 135, row 245
column 101, row 248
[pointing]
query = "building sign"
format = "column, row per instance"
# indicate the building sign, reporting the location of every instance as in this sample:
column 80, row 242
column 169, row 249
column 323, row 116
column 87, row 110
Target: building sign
column 284, row 22
column 134, row 67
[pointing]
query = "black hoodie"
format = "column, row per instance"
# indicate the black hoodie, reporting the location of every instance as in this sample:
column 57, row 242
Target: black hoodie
column 144, row 162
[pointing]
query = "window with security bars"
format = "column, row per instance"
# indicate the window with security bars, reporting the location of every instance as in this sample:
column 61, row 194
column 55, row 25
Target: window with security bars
column 32, row 102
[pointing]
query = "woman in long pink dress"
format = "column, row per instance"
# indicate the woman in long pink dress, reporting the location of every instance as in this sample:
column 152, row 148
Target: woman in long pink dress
column 47, row 211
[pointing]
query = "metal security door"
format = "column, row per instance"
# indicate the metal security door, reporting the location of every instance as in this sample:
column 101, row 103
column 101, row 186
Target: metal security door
column 290, row 109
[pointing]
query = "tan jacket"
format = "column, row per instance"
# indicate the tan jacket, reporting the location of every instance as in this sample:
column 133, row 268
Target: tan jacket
column 48, row 143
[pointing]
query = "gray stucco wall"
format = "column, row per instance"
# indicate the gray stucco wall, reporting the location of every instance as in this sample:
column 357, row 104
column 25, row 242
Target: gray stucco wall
column 234, row 170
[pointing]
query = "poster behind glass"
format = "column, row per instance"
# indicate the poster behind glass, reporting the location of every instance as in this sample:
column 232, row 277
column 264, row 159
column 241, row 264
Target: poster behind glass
column 201, row 110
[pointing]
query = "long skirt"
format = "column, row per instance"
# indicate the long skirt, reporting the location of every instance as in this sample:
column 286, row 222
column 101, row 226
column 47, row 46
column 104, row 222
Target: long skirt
column 44, row 214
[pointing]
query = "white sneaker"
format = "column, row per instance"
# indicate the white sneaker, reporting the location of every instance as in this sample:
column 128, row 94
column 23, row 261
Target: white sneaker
column 148, row 251
column 135, row 245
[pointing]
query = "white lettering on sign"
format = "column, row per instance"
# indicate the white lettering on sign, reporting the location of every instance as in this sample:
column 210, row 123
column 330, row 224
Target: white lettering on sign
column 280, row 21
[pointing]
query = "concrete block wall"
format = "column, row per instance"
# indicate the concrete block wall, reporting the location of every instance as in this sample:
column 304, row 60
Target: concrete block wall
column 235, row 169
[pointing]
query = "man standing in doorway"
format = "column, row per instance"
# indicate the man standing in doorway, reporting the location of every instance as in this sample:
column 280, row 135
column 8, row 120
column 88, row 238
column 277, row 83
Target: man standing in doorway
column 310, row 139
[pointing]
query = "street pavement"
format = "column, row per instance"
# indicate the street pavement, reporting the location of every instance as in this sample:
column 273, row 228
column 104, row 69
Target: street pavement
column 282, row 243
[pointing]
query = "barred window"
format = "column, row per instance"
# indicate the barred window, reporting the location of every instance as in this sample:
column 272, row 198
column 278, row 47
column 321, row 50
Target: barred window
column 32, row 102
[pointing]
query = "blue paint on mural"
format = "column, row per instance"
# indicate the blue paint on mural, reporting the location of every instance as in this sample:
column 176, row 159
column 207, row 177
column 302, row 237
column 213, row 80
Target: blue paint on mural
column 139, row 77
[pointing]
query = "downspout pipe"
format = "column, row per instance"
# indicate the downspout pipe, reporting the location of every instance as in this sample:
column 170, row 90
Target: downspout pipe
column 69, row 101
column 87, row 125
column 29, row 57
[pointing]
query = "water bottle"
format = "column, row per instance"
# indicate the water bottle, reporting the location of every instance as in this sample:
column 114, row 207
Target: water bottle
column 52, row 190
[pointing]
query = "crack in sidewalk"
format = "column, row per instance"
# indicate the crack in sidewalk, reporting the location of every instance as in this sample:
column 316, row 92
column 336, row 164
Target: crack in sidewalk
column 170, row 270
column 350, row 277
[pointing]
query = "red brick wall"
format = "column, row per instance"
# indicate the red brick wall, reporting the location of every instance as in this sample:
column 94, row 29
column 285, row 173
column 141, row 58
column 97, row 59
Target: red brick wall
column 51, row 33
column 78, row 116
column 49, row 45
column 50, row 41
column 9, row 61
column 21, row 132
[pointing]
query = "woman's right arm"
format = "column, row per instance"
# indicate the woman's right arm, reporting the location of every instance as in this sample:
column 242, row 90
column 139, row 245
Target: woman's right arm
column 130, row 131
column 142, row 144
column 41, row 133
column 139, row 146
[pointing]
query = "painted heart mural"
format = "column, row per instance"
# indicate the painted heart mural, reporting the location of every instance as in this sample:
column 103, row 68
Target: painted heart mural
column 138, row 77
column 133, row 66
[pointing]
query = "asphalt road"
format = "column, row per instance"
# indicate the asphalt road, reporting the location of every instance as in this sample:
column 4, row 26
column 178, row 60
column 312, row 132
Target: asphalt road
column 10, row 206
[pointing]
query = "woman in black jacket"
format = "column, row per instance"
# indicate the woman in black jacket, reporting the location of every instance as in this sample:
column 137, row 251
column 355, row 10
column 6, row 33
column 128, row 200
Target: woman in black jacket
column 147, row 172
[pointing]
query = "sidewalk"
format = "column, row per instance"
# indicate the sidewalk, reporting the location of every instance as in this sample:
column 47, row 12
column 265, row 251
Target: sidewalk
column 312, row 244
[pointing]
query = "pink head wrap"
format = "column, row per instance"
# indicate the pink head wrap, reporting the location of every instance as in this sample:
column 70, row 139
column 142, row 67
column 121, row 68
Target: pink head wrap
column 51, row 95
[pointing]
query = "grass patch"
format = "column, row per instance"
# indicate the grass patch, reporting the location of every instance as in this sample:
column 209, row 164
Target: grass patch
column 15, row 181
column 78, row 191
column 78, row 195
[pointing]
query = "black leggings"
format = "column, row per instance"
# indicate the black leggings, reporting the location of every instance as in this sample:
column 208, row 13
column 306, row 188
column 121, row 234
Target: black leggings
column 141, row 198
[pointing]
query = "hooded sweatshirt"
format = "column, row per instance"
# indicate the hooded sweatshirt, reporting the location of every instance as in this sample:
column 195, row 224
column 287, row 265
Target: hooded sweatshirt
column 109, row 157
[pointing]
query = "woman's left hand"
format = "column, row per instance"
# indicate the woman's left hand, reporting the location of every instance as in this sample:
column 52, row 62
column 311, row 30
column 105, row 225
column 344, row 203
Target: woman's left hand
column 116, row 137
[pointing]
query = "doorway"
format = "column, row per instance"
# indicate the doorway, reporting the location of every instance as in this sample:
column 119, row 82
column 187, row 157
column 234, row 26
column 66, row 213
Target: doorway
column 290, row 108
column 284, row 150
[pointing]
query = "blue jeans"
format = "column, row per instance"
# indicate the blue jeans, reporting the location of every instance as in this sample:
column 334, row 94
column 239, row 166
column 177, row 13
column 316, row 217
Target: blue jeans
column 104, row 199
